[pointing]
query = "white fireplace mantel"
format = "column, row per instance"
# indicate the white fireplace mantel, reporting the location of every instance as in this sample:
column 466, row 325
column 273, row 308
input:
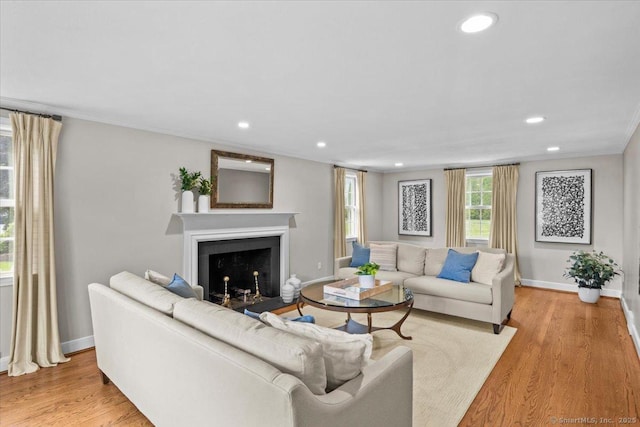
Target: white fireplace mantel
column 230, row 224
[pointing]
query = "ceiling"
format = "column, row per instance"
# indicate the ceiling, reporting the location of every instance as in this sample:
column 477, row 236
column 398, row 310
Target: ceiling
column 379, row 82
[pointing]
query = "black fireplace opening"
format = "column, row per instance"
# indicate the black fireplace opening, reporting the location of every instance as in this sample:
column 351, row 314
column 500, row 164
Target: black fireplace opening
column 238, row 259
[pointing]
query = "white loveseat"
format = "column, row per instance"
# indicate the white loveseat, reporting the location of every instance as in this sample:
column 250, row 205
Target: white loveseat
column 179, row 375
column 417, row 270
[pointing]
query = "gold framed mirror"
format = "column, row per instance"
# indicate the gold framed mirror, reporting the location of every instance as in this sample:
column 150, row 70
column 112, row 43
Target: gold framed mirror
column 241, row 181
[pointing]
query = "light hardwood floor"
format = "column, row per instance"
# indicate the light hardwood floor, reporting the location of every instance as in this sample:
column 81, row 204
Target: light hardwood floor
column 568, row 360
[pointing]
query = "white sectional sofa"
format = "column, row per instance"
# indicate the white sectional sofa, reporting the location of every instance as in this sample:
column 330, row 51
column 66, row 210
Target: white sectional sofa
column 417, row 270
column 185, row 362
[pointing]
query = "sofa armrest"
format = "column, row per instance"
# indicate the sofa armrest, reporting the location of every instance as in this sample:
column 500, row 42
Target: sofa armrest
column 339, row 263
column 381, row 396
column 199, row 290
column 503, row 286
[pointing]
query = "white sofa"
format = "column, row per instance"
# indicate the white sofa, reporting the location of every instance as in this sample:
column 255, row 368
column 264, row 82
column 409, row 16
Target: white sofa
column 179, row 375
column 417, row 270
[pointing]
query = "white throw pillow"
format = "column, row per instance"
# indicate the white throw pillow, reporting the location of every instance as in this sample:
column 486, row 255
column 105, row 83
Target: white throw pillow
column 384, row 255
column 157, row 278
column 344, row 354
column 487, row 267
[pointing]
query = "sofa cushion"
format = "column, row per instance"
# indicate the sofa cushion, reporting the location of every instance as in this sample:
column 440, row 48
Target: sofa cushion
column 157, row 278
column 458, row 266
column 180, row 287
column 359, row 255
column 344, row 354
column 411, row 258
column 397, row 277
column 429, row 285
column 487, row 267
column 145, row 292
column 434, row 260
column 384, row 255
column 295, row 355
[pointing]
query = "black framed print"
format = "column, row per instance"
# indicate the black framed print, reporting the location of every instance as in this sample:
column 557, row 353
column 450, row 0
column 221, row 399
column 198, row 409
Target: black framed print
column 414, row 207
column 563, row 206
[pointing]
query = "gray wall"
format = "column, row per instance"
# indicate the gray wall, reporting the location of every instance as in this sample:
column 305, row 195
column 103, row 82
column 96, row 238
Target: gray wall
column 630, row 289
column 543, row 262
column 114, row 200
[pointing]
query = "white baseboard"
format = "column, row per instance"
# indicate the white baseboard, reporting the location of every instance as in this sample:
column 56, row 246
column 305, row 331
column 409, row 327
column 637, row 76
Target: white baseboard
column 616, row 293
column 631, row 325
column 321, row 279
column 67, row 347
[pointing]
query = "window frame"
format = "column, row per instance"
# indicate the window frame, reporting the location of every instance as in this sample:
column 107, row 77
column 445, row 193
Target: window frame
column 482, row 173
column 6, row 278
column 351, row 177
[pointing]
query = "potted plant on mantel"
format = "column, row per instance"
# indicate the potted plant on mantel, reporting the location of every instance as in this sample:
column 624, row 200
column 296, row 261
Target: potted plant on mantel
column 204, row 188
column 188, row 181
column 591, row 271
column 367, row 274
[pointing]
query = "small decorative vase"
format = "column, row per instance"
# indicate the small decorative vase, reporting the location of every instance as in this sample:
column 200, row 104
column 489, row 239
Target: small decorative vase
column 203, row 204
column 296, row 283
column 187, row 202
column 287, row 293
column 367, row 280
column 590, row 295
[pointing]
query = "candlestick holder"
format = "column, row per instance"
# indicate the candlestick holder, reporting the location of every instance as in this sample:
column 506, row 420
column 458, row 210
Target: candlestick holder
column 257, row 297
column 226, row 299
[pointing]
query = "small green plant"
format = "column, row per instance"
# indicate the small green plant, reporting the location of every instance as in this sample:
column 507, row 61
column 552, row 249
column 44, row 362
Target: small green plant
column 368, row 269
column 591, row 269
column 189, row 181
column 205, row 187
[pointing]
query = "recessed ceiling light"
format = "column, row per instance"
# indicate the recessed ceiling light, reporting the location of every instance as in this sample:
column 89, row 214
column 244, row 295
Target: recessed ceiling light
column 247, row 161
column 243, row 125
column 479, row 22
column 534, row 120
column 553, row 148
column 399, row 164
column 321, row 144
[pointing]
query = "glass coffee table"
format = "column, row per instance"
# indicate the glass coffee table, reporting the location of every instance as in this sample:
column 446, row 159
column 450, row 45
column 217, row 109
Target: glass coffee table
column 397, row 298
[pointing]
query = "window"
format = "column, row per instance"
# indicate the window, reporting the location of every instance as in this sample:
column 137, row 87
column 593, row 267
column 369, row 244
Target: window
column 478, row 205
column 7, row 202
column 350, row 206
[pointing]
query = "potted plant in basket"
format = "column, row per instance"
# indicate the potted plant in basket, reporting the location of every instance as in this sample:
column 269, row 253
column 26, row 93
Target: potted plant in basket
column 188, row 181
column 367, row 274
column 591, row 271
column 204, row 188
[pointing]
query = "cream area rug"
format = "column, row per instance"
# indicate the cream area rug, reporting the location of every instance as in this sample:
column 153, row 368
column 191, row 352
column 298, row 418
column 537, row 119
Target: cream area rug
column 452, row 358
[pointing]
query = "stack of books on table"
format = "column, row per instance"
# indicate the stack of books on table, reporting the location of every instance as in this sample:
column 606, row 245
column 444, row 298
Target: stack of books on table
column 350, row 288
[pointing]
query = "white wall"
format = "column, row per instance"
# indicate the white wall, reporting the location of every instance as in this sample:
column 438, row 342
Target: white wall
column 114, row 200
column 631, row 286
column 539, row 262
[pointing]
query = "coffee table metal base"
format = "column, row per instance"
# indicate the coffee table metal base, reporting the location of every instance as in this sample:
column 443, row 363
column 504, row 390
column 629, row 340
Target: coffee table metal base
column 353, row 327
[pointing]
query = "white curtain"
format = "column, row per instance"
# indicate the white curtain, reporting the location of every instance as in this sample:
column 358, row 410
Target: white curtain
column 35, row 340
column 339, row 237
column 362, row 225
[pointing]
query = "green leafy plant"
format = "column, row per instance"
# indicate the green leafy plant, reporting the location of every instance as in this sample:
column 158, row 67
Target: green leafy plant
column 189, row 180
column 204, row 187
column 368, row 269
column 591, row 269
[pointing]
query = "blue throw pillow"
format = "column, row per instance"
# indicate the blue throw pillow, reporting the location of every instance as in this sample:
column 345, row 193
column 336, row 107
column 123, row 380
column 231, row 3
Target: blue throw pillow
column 305, row 319
column 360, row 255
column 179, row 286
column 458, row 266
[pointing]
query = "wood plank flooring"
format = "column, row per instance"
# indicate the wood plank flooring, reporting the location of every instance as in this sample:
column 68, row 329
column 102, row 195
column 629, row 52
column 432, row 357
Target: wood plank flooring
column 568, row 360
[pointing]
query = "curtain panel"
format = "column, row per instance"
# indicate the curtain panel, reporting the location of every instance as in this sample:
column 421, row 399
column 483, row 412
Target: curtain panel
column 362, row 224
column 35, row 340
column 339, row 237
column 455, row 206
column 504, row 226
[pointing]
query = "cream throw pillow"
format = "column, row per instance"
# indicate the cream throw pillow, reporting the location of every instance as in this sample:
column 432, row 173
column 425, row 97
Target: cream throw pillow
column 157, row 278
column 344, row 354
column 384, row 255
column 487, row 267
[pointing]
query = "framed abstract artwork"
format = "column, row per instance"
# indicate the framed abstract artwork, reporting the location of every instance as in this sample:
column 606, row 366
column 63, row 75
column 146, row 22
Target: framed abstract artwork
column 414, row 207
column 563, row 206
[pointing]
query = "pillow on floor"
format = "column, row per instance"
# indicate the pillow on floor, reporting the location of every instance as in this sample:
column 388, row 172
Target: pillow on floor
column 359, row 255
column 487, row 267
column 458, row 266
column 344, row 354
column 384, row 255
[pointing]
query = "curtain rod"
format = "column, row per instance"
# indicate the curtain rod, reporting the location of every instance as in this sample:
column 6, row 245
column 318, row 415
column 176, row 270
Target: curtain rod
column 357, row 170
column 485, row 166
column 46, row 116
